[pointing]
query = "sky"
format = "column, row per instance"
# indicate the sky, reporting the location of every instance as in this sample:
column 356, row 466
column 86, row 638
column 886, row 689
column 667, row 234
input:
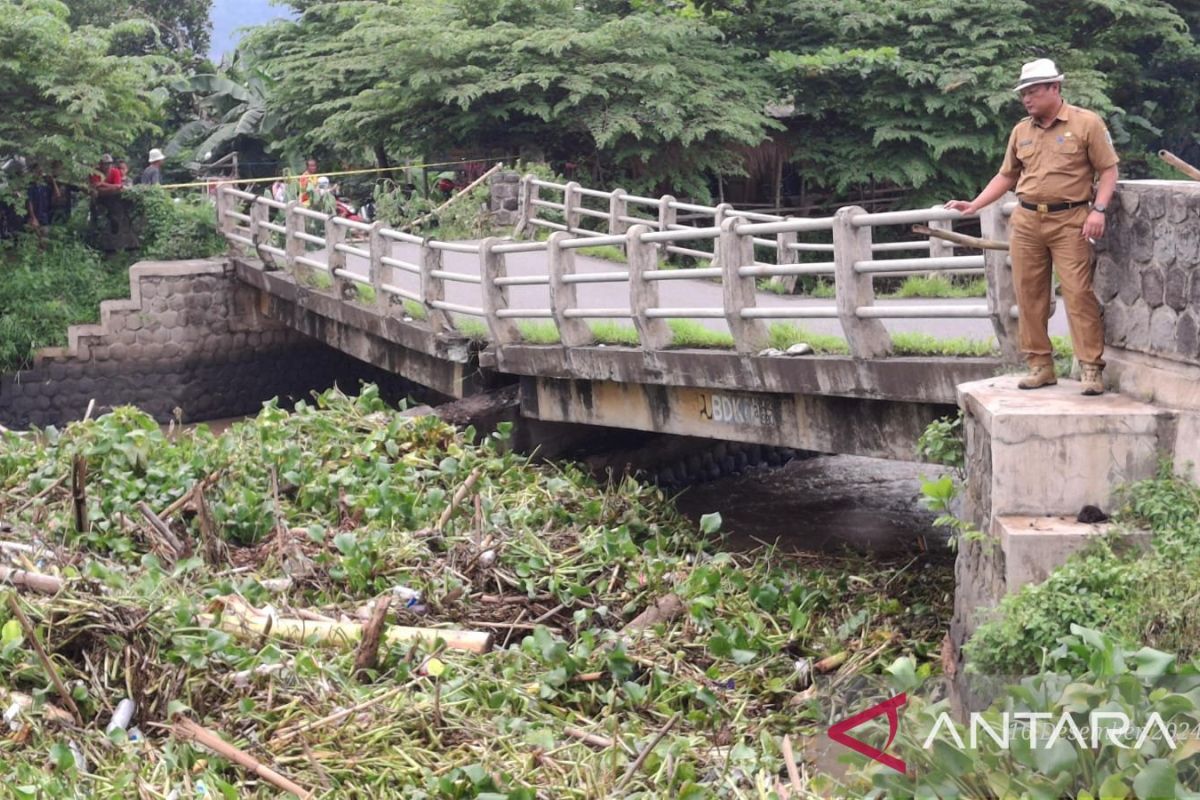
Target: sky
column 230, row 15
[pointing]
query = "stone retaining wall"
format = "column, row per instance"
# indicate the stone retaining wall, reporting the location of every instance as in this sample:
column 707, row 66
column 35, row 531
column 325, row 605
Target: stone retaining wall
column 1148, row 270
column 189, row 343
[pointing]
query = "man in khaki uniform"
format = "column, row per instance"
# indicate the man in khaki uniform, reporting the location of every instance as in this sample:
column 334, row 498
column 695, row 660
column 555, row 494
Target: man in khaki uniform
column 1061, row 160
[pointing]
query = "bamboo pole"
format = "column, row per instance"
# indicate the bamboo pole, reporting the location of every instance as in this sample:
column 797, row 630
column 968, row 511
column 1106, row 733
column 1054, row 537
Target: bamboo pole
column 47, row 664
column 465, row 191
column 960, row 238
column 239, row 618
column 189, row 731
column 1179, row 164
column 34, row 581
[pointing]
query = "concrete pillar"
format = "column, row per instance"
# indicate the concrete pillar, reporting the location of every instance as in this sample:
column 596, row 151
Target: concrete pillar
column 571, row 201
column 259, row 235
column 571, row 332
column 293, row 245
column 335, row 260
column 433, row 289
column 719, row 213
column 784, row 254
column 654, row 333
column 495, row 298
column 733, row 251
column 526, row 209
column 380, row 247
column 618, row 207
column 1001, row 292
column 867, row 337
column 666, row 213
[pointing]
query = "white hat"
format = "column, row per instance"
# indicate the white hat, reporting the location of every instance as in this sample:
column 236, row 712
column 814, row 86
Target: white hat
column 156, row 155
column 323, row 181
column 1042, row 70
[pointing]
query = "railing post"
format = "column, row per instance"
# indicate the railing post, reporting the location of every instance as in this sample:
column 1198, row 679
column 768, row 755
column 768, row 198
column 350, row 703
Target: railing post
column 868, row 338
column 222, row 219
column 527, row 210
column 380, row 247
column 654, row 333
column 335, row 260
column 939, row 248
column 618, row 207
column 666, row 213
column 733, row 251
column 785, row 255
column 259, row 213
column 433, row 289
column 1001, row 292
column 571, row 332
column 293, row 245
column 571, row 201
column 720, row 211
column 495, row 298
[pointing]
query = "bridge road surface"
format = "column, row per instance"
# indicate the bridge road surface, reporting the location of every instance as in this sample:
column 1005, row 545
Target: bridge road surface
column 672, row 293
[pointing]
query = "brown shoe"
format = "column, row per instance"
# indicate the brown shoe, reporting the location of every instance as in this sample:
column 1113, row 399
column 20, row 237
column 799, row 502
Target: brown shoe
column 1092, row 378
column 1039, row 375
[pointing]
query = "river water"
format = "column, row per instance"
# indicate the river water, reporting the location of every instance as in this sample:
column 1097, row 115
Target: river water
column 823, row 504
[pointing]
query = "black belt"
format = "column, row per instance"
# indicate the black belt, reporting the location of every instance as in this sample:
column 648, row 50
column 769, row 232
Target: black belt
column 1051, row 207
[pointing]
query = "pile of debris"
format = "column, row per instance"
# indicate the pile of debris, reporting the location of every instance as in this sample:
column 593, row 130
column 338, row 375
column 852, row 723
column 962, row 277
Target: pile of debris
column 341, row 601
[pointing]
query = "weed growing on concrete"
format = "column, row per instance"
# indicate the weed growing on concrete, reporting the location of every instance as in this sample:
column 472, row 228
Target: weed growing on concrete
column 939, row 286
column 606, row 252
column 690, row 333
column 1150, row 599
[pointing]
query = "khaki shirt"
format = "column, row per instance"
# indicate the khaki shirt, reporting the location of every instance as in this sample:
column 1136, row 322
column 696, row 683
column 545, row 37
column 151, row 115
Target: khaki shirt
column 1058, row 163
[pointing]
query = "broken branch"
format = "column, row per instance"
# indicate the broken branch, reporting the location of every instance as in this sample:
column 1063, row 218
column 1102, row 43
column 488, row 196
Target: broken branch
column 47, row 664
column 960, row 238
column 189, row 731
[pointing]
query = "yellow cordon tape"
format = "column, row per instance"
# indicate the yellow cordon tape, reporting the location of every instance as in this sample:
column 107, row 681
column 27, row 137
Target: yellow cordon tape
column 213, row 181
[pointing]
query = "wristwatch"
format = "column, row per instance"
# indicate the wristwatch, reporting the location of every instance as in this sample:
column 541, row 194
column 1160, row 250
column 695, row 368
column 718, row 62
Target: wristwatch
column 1100, row 208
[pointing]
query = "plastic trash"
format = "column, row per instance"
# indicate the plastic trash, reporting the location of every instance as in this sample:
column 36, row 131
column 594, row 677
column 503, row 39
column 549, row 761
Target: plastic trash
column 121, row 716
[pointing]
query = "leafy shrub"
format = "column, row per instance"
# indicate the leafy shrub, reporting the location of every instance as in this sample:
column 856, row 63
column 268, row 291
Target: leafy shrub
column 46, row 287
column 1151, row 598
column 1089, row 674
column 174, row 228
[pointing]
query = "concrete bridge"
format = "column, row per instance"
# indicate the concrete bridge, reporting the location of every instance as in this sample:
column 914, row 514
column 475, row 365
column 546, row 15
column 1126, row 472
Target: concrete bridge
column 465, row 317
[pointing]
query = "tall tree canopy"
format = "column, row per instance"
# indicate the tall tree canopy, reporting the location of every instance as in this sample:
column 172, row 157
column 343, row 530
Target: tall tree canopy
column 661, row 93
column 657, row 99
column 180, row 28
column 65, row 97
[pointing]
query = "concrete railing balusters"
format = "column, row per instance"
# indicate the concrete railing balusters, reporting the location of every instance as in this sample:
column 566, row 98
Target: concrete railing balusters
column 735, row 250
column 654, row 333
column 335, row 260
column 571, row 201
column 573, row 332
column 293, row 245
column 492, row 265
column 433, row 289
column 259, row 213
column 525, row 206
column 868, row 338
column 380, row 248
column 1001, row 292
column 618, row 207
column 786, row 255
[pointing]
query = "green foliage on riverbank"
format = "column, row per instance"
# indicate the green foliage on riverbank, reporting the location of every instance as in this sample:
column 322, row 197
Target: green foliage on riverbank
column 48, row 285
column 329, row 508
column 1150, row 598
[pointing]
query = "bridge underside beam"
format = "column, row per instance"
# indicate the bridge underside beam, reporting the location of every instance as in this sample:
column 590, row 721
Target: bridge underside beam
column 919, row 380
column 856, row 426
column 440, row 363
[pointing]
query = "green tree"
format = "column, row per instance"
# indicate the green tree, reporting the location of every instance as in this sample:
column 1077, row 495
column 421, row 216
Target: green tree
column 179, row 27
column 65, row 98
column 228, row 111
column 917, row 93
column 656, row 100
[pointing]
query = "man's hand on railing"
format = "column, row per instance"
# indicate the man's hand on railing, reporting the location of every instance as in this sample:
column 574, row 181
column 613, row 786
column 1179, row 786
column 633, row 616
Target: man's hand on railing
column 961, row 205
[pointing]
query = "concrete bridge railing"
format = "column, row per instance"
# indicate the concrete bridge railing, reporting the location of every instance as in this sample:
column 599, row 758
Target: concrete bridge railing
column 648, row 231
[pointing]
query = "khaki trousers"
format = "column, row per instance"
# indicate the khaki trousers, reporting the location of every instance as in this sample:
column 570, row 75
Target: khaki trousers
column 1038, row 241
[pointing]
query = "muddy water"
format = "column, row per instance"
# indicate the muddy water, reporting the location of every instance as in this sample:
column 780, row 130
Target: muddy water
column 822, row 504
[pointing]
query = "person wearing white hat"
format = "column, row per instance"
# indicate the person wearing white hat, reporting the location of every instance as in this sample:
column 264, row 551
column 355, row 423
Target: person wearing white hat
column 152, row 174
column 1061, row 162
